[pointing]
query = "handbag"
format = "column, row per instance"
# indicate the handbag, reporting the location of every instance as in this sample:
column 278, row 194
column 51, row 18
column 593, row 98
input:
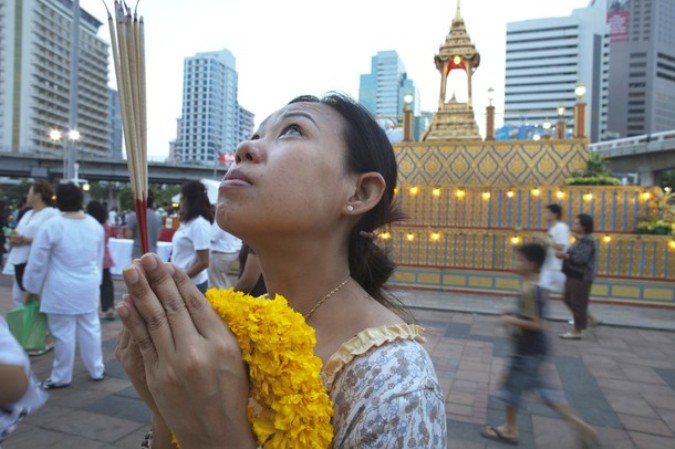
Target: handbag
column 29, row 326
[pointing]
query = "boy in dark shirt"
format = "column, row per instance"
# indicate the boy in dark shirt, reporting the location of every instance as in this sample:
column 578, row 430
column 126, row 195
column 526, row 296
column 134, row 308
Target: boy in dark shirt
column 530, row 349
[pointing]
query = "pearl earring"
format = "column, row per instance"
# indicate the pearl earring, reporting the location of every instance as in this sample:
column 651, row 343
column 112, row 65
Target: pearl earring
column 350, row 208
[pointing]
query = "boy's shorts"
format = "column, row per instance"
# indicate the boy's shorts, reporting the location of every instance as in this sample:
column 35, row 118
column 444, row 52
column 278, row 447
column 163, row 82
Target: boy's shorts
column 524, row 374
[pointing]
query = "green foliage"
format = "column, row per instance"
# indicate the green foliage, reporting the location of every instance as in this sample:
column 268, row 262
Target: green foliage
column 13, row 194
column 592, row 181
column 668, row 179
column 596, row 173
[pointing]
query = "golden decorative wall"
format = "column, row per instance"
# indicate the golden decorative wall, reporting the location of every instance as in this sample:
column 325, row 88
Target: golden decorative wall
column 461, row 238
column 506, row 164
column 614, row 209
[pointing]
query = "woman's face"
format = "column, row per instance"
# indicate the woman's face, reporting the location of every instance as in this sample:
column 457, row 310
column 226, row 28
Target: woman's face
column 290, row 177
column 31, row 197
column 576, row 227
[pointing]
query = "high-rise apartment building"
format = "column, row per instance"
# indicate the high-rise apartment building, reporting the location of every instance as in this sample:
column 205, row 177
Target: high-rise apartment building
column 382, row 91
column 546, row 58
column 35, row 74
column 210, row 114
column 115, row 125
column 246, row 124
column 642, row 67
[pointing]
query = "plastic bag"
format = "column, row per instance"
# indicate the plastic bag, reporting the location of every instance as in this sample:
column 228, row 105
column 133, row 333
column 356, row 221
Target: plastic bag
column 29, row 325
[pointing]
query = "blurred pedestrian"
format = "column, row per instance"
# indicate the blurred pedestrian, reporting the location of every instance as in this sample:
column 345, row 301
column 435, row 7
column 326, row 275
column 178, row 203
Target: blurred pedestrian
column 530, row 348
column 191, row 241
column 65, row 268
column 107, row 290
column 579, row 268
column 557, row 239
column 20, row 393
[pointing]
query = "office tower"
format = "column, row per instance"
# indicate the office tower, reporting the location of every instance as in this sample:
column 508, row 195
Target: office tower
column 546, row 58
column 383, row 89
column 642, row 67
column 210, row 113
column 35, row 74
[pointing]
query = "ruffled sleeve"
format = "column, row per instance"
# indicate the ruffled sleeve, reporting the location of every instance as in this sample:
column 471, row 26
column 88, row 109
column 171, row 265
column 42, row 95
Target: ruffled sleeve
column 363, row 342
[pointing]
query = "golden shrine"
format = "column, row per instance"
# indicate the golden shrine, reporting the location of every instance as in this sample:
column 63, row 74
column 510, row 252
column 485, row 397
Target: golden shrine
column 469, row 201
column 454, row 120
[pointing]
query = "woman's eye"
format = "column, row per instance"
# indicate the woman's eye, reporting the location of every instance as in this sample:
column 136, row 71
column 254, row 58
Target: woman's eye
column 292, row 130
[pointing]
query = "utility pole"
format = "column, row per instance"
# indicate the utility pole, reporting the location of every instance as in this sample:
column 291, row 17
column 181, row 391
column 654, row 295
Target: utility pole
column 74, row 82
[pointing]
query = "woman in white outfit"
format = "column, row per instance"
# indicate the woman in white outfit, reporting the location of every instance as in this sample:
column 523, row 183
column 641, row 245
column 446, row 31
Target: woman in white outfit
column 40, row 199
column 191, row 242
column 65, row 266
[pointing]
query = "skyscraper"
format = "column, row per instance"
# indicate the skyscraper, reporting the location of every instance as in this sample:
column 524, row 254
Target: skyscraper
column 115, row 126
column 642, row 67
column 35, row 56
column 546, row 58
column 382, row 90
column 210, row 115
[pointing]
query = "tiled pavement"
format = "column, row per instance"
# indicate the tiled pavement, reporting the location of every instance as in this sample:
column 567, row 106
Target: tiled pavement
column 621, row 380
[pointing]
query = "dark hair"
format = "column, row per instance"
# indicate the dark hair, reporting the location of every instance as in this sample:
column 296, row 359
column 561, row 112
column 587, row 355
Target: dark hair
column 69, row 197
column 368, row 150
column 196, row 202
column 45, row 190
column 97, row 210
column 586, row 222
column 151, row 200
column 556, row 210
column 533, row 252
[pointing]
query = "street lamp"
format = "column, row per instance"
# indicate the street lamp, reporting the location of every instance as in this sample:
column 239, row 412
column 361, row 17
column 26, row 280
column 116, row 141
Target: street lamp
column 74, row 135
column 580, row 111
column 547, row 128
column 561, row 125
column 407, row 117
column 490, row 116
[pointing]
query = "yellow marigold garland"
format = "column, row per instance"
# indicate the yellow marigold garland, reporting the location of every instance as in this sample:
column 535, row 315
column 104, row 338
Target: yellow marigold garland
column 293, row 408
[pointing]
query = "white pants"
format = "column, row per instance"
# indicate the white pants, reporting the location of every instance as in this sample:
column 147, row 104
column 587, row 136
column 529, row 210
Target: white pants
column 17, row 293
column 219, row 266
column 552, row 280
column 64, row 329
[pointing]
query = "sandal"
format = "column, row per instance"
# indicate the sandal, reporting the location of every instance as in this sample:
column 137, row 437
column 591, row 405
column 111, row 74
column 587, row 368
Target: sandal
column 493, row 433
column 49, row 385
column 570, row 336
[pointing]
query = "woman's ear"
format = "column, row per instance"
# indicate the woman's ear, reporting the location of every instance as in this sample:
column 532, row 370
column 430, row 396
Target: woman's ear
column 369, row 188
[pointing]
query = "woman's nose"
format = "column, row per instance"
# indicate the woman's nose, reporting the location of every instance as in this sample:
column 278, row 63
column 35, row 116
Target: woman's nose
column 247, row 151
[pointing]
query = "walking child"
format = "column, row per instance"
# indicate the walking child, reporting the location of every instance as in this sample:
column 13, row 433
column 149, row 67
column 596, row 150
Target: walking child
column 530, row 342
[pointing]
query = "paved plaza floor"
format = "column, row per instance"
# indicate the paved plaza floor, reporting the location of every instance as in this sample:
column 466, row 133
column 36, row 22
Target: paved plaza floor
column 620, row 378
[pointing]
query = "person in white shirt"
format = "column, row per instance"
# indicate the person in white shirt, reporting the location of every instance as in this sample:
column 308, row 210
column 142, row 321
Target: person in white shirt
column 65, row 267
column 20, row 393
column 224, row 250
column 40, row 199
column 191, row 241
column 557, row 239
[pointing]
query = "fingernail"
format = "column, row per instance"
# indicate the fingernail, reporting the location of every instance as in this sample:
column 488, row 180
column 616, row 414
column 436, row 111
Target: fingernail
column 130, row 274
column 122, row 310
column 149, row 262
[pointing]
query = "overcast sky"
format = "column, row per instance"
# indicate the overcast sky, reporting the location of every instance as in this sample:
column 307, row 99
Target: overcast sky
column 292, row 47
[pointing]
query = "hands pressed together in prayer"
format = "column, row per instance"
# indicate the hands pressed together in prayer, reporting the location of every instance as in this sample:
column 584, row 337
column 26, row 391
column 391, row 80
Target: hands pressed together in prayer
column 182, row 360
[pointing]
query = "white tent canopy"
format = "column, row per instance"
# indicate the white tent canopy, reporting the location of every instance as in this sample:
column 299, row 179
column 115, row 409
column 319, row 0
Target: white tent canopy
column 211, row 191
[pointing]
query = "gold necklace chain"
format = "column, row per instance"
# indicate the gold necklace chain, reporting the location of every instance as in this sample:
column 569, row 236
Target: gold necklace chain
column 328, row 295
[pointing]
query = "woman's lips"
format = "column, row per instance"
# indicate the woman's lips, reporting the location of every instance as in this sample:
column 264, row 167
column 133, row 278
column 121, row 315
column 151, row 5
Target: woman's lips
column 235, row 178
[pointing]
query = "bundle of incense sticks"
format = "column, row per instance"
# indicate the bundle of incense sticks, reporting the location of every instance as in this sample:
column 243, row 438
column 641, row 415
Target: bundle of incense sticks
column 128, row 47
